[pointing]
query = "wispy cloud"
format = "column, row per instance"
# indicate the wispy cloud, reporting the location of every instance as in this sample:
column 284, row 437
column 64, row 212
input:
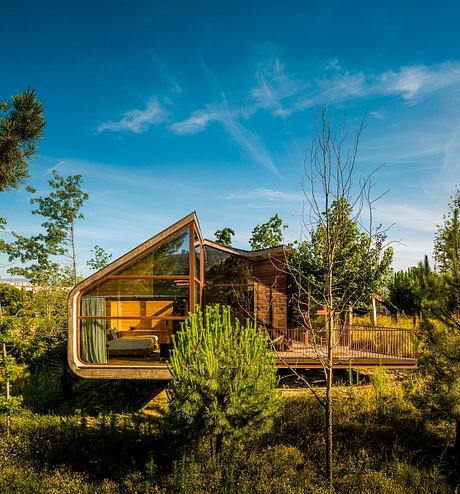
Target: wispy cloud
column 166, row 74
column 199, row 120
column 377, row 114
column 284, row 95
column 248, row 141
column 275, row 87
column 412, row 82
column 408, row 216
column 251, row 143
column 137, row 121
column 333, row 64
column 266, row 194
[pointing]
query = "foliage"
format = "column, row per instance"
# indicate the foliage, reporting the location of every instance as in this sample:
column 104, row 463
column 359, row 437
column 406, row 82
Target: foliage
column 440, row 360
column 100, row 260
column 12, row 299
column 408, row 288
column 224, row 236
column 360, row 269
column 447, row 239
column 12, row 406
column 9, row 370
column 223, row 378
column 269, row 234
column 61, row 210
column 396, row 449
column 21, row 126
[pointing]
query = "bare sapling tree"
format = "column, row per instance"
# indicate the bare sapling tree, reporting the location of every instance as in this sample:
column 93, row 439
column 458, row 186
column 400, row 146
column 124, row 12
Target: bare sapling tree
column 340, row 261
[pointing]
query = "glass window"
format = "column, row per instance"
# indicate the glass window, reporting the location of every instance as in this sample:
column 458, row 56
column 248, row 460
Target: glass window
column 240, row 299
column 221, row 267
column 170, row 258
column 197, row 261
column 197, row 294
column 126, row 297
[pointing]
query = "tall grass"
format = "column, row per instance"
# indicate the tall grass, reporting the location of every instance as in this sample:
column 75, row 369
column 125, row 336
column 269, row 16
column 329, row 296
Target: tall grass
column 383, row 444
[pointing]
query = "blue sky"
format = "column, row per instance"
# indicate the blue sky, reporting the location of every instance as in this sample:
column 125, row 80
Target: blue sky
column 170, row 107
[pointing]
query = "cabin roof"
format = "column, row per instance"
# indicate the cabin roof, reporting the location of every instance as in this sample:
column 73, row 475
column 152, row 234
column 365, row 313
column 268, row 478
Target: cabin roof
column 254, row 255
column 257, row 255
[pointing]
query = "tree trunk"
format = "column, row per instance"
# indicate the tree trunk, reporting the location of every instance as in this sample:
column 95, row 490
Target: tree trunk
column 328, row 372
column 329, row 429
column 74, row 255
column 219, row 443
column 457, row 443
column 7, row 389
column 374, row 312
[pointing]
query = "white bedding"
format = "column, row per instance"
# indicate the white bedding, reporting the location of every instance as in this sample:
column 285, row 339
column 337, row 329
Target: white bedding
column 133, row 343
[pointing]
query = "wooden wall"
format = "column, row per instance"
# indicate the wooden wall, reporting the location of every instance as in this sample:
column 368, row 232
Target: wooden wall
column 270, row 294
column 136, row 308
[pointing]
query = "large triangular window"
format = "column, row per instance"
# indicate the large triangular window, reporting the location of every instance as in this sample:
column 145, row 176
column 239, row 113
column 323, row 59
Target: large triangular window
column 171, row 258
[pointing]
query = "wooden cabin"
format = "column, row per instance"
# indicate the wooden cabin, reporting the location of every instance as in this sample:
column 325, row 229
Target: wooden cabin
column 121, row 319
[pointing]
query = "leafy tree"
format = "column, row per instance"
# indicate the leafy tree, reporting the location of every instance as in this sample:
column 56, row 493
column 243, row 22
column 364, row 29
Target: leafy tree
column 61, row 209
column 21, row 126
column 224, row 236
column 447, row 239
column 9, row 369
column 361, row 266
column 34, row 253
column 440, row 360
column 12, row 299
column 269, row 234
column 100, row 260
column 223, row 379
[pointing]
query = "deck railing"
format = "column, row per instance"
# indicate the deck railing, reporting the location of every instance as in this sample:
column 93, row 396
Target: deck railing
column 366, row 342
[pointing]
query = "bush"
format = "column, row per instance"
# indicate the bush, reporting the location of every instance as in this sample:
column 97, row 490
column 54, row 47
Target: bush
column 223, row 379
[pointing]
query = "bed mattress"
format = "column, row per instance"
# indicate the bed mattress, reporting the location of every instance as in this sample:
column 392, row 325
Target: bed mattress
column 133, row 343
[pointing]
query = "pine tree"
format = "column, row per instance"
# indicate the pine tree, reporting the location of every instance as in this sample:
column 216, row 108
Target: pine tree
column 21, row 126
column 223, row 379
column 440, row 359
column 224, row 236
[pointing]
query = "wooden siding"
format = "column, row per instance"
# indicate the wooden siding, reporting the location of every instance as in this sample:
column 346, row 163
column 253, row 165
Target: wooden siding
column 270, row 298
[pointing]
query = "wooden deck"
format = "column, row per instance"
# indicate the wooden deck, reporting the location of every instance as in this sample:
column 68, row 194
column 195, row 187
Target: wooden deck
column 299, row 355
column 356, row 347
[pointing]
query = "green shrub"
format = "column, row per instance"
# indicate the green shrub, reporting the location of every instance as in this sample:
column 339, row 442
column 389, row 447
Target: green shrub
column 223, row 379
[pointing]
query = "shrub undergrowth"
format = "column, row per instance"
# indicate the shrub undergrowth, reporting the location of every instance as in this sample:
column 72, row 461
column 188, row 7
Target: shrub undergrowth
column 383, row 443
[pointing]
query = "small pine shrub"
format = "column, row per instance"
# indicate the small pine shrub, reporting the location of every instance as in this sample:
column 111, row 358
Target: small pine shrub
column 223, row 379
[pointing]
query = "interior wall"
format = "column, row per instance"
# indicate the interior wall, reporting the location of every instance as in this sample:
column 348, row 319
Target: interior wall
column 138, row 327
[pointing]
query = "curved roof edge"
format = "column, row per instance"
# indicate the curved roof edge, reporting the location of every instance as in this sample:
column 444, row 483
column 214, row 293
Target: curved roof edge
column 255, row 255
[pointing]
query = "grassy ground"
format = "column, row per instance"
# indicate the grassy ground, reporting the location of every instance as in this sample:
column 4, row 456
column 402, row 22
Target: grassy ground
column 383, row 444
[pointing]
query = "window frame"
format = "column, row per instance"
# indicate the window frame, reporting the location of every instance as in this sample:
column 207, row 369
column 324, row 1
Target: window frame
column 195, row 238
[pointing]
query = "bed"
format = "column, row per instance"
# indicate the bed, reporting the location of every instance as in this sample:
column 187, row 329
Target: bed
column 131, row 345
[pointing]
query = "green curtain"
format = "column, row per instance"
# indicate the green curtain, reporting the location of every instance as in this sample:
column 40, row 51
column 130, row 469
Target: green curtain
column 93, row 332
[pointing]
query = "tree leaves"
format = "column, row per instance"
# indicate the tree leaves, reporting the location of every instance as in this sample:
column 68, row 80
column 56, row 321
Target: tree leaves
column 269, row 234
column 21, row 126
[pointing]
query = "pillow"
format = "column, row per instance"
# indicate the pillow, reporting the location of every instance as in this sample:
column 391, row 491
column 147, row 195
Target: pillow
column 113, row 334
